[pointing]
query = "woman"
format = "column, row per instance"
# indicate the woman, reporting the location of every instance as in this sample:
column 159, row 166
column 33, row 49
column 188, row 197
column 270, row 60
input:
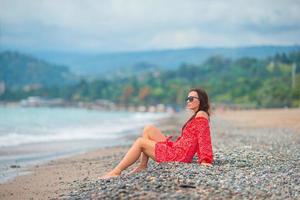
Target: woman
column 195, row 137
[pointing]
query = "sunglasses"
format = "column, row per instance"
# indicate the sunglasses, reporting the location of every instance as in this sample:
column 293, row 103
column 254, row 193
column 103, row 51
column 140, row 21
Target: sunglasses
column 190, row 99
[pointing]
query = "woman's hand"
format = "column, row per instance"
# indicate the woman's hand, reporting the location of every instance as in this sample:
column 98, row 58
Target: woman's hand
column 206, row 164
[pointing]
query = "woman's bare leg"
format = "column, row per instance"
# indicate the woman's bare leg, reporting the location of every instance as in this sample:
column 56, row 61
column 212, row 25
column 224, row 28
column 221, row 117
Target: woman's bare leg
column 140, row 145
column 152, row 133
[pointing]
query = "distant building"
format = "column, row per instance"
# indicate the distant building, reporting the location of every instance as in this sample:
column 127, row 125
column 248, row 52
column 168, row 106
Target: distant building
column 31, row 87
column 169, row 109
column 160, row 108
column 151, row 109
column 103, row 104
column 131, row 109
column 35, row 101
column 142, row 109
column 31, row 101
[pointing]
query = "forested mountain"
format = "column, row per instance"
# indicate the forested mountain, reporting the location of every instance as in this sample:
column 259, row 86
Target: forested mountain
column 249, row 82
column 111, row 65
column 18, row 70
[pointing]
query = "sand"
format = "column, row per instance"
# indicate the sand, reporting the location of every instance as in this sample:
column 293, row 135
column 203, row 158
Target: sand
column 57, row 178
column 264, row 118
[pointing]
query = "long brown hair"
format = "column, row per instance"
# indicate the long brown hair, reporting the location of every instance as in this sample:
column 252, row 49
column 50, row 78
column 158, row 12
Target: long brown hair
column 204, row 103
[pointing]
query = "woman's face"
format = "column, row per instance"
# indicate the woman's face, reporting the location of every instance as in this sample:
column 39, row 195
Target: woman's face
column 193, row 101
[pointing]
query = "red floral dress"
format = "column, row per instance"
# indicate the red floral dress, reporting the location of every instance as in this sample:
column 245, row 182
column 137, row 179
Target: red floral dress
column 195, row 137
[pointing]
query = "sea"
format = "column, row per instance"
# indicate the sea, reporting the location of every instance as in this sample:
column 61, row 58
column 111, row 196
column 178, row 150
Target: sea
column 30, row 136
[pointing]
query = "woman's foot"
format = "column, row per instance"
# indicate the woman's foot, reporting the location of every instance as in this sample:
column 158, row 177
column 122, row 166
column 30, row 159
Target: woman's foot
column 112, row 173
column 138, row 169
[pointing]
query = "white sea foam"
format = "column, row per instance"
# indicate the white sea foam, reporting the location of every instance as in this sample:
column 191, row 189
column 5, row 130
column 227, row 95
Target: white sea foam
column 46, row 125
column 33, row 135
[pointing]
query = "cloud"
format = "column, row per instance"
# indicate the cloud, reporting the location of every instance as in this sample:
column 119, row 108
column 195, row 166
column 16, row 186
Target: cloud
column 116, row 25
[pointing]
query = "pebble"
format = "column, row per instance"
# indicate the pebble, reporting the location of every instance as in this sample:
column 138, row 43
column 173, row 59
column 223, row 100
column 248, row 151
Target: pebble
column 256, row 163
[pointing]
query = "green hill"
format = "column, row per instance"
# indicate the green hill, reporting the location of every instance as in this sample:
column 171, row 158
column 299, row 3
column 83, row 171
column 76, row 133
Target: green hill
column 18, row 70
column 246, row 82
column 122, row 64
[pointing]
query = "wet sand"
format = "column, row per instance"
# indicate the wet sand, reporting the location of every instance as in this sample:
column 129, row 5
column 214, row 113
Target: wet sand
column 58, row 177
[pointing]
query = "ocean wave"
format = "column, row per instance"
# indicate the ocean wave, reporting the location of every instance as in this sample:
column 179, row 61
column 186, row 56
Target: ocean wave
column 111, row 127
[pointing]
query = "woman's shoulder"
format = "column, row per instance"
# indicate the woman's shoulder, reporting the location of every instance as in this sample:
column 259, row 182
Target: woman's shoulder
column 201, row 114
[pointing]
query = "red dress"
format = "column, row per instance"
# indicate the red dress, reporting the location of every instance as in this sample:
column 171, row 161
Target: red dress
column 195, row 137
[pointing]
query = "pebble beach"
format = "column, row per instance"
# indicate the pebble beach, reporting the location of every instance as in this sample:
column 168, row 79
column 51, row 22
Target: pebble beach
column 252, row 160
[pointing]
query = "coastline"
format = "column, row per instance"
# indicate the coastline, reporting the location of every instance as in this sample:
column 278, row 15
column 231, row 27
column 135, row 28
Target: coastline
column 27, row 140
column 58, row 176
column 239, row 148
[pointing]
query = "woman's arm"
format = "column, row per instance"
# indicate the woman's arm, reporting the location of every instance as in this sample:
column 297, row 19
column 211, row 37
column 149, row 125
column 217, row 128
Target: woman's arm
column 204, row 151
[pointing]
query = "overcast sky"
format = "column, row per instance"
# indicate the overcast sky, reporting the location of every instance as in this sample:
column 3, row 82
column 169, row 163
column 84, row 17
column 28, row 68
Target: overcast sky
column 133, row 25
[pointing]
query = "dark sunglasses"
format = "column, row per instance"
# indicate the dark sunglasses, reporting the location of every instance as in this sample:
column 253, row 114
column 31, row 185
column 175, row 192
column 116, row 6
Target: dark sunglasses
column 190, row 99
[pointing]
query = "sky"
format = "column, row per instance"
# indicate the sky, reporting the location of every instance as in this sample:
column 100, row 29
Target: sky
column 138, row 25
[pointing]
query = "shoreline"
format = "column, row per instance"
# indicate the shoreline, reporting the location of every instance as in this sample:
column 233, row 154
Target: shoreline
column 77, row 175
column 15, row 162
column 17, row 158
column 46, row 174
